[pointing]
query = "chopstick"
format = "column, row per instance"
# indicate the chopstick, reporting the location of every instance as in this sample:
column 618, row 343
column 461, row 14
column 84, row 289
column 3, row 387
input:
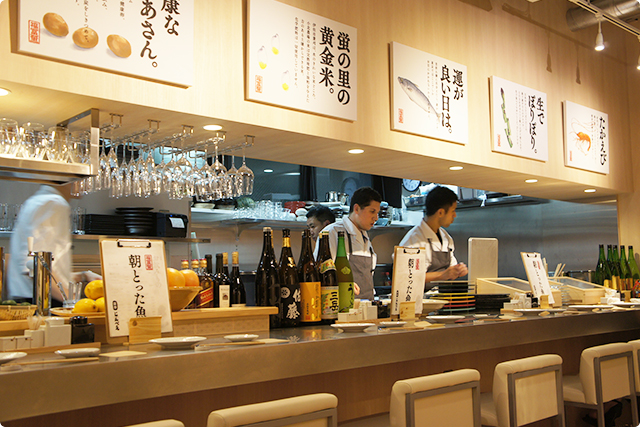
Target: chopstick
column 230, row 343
column 42, row 362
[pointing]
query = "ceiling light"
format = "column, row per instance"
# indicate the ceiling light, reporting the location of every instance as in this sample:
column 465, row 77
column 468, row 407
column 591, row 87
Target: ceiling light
column 599, row 38
column 530, row 181
column 456, row 168
column 590, row 190
column 268, row 170
column 356, row 151
column 212, row 127
column 292, row 174
column 4, row 92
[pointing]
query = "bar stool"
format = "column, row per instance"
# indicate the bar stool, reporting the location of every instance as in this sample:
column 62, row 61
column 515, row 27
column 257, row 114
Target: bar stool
column 448, row 399
column 524, row 391
column 312, row 410
column 636, row 352
column 606, row 373
column 161, row 423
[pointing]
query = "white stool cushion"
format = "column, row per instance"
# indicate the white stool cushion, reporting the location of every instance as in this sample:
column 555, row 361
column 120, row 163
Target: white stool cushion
column 636, row 346
column 615, row 373
column 446, row 409
column 572, row 389
column 161, row 423
column 276, row 409
column 488, row 414
column 536, row 396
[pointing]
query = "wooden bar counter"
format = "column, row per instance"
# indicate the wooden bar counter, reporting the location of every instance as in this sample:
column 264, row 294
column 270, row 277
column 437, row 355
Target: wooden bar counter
column 359, row 368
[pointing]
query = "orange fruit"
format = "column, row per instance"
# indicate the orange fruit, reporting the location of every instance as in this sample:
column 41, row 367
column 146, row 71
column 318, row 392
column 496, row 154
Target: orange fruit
column 190, row 278
column 174, row 277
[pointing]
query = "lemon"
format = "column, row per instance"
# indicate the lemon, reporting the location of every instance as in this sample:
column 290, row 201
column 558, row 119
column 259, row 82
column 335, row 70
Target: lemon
column 85, row 305
column 100, row 305
column 94, row 289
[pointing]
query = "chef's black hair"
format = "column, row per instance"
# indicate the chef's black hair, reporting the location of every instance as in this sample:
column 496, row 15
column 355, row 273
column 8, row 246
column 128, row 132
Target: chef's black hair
column 363, row 197
column 439, row 198
column 321, row 213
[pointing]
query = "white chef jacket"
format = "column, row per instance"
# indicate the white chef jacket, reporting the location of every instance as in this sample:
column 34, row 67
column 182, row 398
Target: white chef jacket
column 46, row 217
column 360, row 240
column 418, row 237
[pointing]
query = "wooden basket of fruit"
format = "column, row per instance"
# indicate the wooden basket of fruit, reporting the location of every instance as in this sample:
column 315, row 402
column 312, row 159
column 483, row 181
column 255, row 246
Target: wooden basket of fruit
column 10, row 310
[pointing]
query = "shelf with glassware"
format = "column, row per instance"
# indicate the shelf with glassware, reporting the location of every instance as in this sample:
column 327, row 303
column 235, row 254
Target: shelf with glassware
column 67, row 152
column 7, row 234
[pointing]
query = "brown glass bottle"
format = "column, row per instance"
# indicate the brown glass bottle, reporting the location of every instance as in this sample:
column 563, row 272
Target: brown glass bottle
column 267, row 281
column 328, row 281
column 222, row 285
column 309, row 278
column 205, row 296
column 238, row 292
column 289, row 285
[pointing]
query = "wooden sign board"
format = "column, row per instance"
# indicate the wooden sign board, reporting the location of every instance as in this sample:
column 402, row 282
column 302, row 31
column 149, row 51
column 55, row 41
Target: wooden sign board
column 135, row 284
column 409, row 270
column 537, row 275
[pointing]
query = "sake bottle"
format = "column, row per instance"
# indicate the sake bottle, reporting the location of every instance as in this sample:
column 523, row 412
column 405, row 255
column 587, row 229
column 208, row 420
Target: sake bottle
column 267, row 283
column 309, row 278
column 238, row 292
column 635, row 273
column 289, row 284
column 329, row 289
column 345, row 277
column 614, row 267
column 603, row 273
column 625, row 273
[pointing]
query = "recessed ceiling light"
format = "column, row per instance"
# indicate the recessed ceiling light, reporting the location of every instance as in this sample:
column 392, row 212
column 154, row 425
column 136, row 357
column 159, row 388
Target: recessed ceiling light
column 456, row 168
column 212, row 127
column 356, row 151
column 530, row 181
column 4, row 92
column 590, row 190
column 268, row 170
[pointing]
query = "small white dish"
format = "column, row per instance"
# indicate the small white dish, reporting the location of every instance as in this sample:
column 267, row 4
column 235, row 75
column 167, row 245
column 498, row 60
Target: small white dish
column 352, row 327
column 241, row 337
column 70, row 353
column 587, row 307
column 10, row 356
column 391, row 324
column 536, row 311
column 174, row 343
column 444, row 319
column 626, row 304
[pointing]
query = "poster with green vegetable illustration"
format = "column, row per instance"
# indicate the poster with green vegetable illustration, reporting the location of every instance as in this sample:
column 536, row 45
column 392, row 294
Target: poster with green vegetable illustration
column 428, row 95
column 518, row 120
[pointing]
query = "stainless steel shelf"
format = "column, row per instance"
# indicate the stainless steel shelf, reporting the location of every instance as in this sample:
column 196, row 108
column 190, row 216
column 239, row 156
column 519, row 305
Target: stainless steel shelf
column 165, row 239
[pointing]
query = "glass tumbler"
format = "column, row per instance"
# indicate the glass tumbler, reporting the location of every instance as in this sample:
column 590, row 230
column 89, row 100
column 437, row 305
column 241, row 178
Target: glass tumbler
column 9, row 136
column 58, row 144
column 33, row 136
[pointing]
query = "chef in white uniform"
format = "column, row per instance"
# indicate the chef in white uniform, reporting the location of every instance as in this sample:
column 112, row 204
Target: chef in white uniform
column 363, row 213
column 440, row 212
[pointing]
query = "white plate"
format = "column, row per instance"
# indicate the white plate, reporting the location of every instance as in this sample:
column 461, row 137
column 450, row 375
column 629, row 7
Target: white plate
column 626, row 304
column 537, row 311
column 352, row 327
column 177, row 342
column 8, row 357
column 241, row 337
column 392, row 324
column 70, row 353
column 590, row 307
column 444, row 319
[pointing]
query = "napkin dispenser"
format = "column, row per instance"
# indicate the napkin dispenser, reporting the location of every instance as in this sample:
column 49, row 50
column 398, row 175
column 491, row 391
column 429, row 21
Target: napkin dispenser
column 171, row 225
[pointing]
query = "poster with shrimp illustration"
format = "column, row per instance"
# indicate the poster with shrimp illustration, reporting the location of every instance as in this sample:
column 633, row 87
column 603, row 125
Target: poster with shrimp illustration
column 518, row 120
column 300, row 60
column 428, row 95
column 586, row 138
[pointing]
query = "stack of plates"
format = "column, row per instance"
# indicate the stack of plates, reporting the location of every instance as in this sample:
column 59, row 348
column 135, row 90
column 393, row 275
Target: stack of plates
column 487, row 303
column 138, row 221
column 111, row 225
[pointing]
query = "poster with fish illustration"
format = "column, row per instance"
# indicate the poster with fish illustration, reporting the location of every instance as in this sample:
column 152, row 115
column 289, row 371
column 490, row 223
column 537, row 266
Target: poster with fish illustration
column 428, row 95
column 300, row 60
column 586, row 138
column 518, row 120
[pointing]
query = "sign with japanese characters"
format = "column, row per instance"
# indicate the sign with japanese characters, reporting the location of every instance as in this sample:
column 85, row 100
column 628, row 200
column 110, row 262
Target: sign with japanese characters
column 409, row 271
column 300, row 60
column 586, row 138
column 518, row 120
column 537, row 275
column 428, row 95
column 152, row 39
column 135, row 282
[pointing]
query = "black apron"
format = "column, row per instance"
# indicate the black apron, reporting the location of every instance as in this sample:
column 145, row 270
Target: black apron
column 440, row 260
column 362, row 268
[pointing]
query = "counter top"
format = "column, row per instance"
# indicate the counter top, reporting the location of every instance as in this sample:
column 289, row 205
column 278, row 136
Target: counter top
column 306, row 352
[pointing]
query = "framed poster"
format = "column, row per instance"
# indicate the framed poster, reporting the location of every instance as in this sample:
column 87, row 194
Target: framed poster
column 428, row 95
column 300, row 60
column 148, row 39
column 586, row 138
column 518, row 120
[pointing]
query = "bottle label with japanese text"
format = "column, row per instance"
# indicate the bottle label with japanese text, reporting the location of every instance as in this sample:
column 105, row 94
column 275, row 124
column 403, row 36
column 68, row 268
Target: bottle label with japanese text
column 327, row 266
column 330, row 302
column 345, row 295
column 310, row 301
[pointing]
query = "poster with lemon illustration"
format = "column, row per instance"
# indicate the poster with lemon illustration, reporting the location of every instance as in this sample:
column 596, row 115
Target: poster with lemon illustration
column 586, row 138
column 300, row 60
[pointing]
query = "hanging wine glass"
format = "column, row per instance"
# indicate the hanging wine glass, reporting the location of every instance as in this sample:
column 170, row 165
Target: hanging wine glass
column 168, row 180
column 232, row 175
column 147, row 176
column 140, row 173
column 245, row 175
column 182, row 171
column 157, row 177
column 219, row 173
column 128, row 172
column 203, row 187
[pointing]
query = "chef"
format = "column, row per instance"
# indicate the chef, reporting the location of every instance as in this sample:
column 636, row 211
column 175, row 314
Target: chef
column 363, row 213
column 318, row 218
column 439, row 213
